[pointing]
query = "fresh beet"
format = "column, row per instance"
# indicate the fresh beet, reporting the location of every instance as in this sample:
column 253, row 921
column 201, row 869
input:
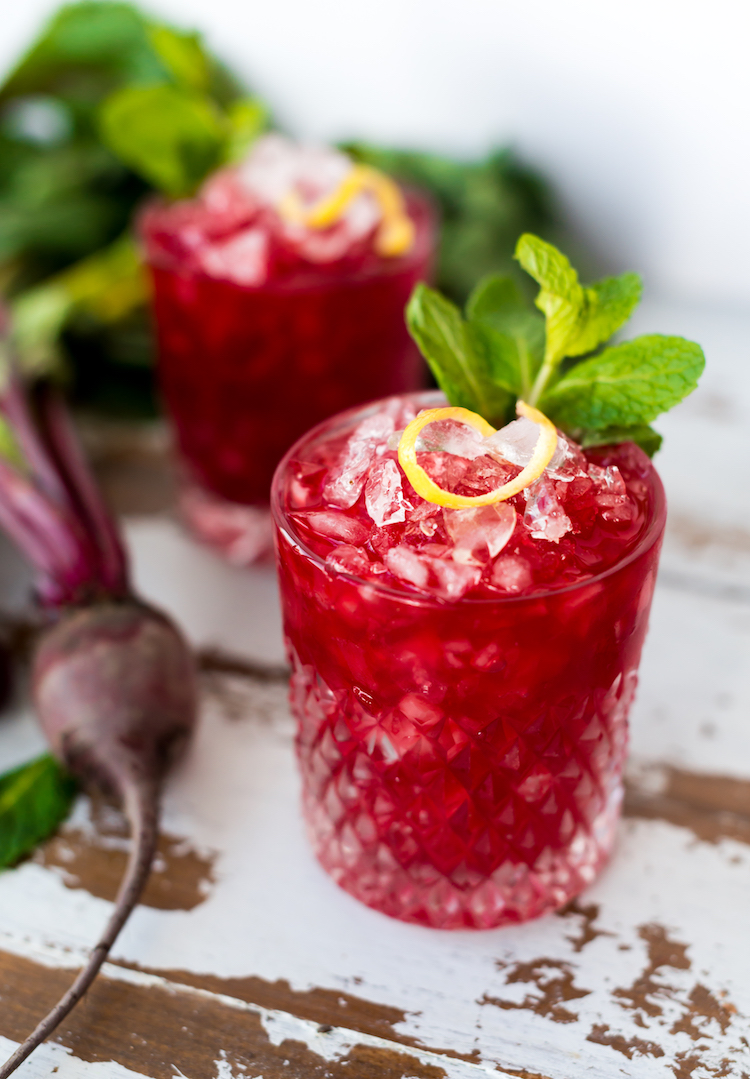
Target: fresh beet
column 114, row 688
column 113, row 679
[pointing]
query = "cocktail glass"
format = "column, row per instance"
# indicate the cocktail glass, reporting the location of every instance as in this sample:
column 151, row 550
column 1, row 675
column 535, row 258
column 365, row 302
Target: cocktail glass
column 244, row 370
column 461, row 761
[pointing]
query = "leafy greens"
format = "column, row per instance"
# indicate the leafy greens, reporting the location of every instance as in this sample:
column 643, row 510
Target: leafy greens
column 34, row 799
column 105, row 106
column 503, row 350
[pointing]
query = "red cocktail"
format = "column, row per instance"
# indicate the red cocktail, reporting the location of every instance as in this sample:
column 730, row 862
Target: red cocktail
column 462, row 679
column 265, row 325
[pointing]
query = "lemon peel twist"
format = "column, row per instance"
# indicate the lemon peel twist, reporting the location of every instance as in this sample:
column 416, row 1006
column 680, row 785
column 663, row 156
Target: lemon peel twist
column 431, row 492
column 395, row 235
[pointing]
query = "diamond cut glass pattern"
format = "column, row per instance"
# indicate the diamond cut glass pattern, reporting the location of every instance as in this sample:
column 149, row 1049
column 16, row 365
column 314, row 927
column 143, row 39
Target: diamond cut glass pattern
column 462, row 761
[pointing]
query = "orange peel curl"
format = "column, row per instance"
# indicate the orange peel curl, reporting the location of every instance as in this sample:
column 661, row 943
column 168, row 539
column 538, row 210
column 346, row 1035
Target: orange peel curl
column 425, row 486
column 395, row 235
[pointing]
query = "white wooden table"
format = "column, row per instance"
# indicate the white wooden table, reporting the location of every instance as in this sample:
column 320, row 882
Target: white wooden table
column 247, row 961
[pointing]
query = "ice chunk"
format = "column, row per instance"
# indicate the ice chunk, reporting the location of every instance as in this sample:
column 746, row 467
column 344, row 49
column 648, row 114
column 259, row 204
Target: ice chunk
column 448, row 436
column 445, row 469
column 568, row 461
column 304, row 484
column 334, row 525
column 423, row 521
column 384, row 495
column 515, row 442
column 349, row 559
column 612, row 494
column 481, row 532
column 609, row 481
column 393, row 441
column 404, row 562
column 454, row 579
column 430, row 570
column 511, row 573
column 243, row 259
column 369, row 439
column 485, row 474
column 545, row 517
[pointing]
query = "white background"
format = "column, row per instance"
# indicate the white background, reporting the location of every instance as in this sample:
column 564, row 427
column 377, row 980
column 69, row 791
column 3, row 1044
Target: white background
column 639, row 111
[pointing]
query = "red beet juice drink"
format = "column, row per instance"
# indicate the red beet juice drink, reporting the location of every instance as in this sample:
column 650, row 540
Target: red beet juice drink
column 462, row 677
column 270, row 318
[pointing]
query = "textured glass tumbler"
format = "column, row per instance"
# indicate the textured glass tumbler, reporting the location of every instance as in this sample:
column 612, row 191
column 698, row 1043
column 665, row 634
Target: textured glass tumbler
column 245, row 370
column 462, row 762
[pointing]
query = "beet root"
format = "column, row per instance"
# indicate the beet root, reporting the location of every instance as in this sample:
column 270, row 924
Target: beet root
column 115, row 689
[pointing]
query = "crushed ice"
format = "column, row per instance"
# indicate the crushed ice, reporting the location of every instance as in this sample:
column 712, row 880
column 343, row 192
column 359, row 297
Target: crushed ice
column 479, row 533
column 347, row 478
column 545, row 517
column 612, row 497
column 515, row 442
column 384, row 494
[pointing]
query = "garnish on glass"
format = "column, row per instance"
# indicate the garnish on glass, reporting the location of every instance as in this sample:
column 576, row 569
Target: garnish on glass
column 503, row 357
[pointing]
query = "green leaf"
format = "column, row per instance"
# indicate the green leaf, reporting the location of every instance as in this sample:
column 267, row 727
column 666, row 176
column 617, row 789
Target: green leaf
column 99, row 36
column 247, row 119
column 172, row 137
column 182, row 55
column 608, row 305
column 497, row 370
column 493, row 296
column 440, row 333
column 627, row 385
column 498, row 302
column 108, row 285
column 644, row 436
column 561, row 296
column 34, row 800
column 495, row 356
column 474, row 365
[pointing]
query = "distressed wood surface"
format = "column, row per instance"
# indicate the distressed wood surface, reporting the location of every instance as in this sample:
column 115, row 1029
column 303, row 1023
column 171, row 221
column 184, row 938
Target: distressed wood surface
column 245, row 960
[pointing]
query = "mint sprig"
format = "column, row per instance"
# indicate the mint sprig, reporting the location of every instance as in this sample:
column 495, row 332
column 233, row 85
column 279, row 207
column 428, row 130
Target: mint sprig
column 503, row 350
column 34, row 800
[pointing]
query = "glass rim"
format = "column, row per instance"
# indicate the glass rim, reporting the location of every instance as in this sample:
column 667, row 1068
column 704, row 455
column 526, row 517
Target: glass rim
column 434, row 398
column 316, row 275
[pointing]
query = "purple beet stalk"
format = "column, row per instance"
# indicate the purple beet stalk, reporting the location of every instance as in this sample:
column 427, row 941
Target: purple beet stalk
column 113, row 680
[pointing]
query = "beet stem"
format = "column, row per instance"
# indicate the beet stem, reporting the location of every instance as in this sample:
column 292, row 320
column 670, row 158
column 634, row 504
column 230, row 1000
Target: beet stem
column 74, row 471
column 141, row 798
column 16, row 408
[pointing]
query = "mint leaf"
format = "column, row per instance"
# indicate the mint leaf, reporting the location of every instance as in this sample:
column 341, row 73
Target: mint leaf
column 497, row 367
column 561, row 296
column 626, row 385
column 474, row 366
column 493, row 296
column 440, row 333
column 169, row 135
column 644, row 436
column 498, row 302
column 608, row 305
column 34, row 800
